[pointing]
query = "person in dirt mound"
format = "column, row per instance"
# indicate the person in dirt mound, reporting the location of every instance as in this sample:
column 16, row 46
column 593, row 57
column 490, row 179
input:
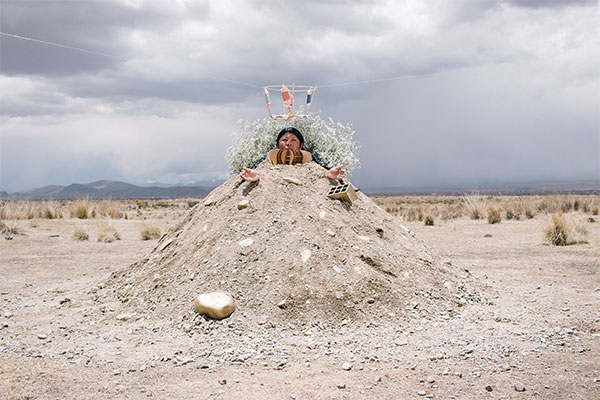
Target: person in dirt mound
column 289, row 151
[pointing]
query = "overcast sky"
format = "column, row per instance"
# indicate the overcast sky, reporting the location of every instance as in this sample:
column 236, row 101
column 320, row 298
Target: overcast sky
column 463, row 92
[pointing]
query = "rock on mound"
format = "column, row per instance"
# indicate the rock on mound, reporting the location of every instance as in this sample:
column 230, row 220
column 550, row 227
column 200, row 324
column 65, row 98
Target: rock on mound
column 293, row 256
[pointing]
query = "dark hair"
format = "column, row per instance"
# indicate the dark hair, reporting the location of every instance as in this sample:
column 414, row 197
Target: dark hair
column 290, row 129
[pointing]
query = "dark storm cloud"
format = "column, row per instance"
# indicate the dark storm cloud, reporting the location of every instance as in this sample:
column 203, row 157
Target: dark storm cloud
column 551, row 3
column 438, row 92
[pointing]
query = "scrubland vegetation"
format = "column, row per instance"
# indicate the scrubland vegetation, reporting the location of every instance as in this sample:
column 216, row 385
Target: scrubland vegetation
column 563, row 230
column 88, row 209
column 495, row 208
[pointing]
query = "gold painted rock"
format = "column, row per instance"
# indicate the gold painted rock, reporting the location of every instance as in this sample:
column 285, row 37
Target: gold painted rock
column 216, row 305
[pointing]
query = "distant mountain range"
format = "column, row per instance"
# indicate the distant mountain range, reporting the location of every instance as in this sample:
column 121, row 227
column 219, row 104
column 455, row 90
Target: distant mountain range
column 121, row 190
column 107, row 190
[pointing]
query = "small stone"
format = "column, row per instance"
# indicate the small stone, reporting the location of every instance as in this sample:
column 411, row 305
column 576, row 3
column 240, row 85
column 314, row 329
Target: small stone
column 124, row 316
column 346, row 366
column 323, row 213
column 243, row 204
column 216, row 305
column 519, row 387
column 421, row 393
column 330, row 232
column 222, row 381
column 42, row 336
column 336, row 269
column 117, row 372
column 489, row 388
column 209, row 202
column 430, row 379
column 305, row 255
column 341, row 386
column 282, row 304
column 370, row 300
column 246, row 242
column 295, row 181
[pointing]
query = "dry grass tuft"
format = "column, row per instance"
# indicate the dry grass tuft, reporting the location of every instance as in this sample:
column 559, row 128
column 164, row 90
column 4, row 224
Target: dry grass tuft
column 428, row 220
column 109, row 208
column 563, row 231
column 494, row 215
column 82, row 209
column 475, row 206
column 80, row 234
column 10, row 227
column 108, row 234
column 150, row 232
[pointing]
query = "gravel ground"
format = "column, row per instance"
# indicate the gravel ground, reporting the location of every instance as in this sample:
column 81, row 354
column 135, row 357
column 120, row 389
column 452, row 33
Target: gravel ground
column 536, row 336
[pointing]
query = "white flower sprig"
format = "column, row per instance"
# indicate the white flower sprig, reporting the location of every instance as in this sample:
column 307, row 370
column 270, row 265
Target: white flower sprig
column 331, row 142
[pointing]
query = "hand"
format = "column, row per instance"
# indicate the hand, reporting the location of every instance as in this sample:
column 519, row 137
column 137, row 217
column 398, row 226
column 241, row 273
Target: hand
column 249, row 175
column 336, row 173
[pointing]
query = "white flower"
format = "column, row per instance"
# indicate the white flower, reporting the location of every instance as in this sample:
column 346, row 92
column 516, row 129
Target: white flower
column 329, row 141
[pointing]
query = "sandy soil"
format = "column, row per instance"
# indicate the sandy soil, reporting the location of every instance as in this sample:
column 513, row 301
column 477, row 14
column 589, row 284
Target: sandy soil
column 538, row 336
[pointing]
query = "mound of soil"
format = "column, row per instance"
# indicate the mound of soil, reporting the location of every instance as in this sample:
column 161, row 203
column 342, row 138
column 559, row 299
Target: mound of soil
column 293, row 256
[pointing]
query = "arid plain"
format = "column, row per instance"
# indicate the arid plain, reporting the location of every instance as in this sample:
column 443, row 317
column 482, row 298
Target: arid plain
column 536, row 334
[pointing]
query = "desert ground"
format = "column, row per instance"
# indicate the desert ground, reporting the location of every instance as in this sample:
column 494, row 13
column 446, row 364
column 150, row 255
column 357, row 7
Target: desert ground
column 536, row 334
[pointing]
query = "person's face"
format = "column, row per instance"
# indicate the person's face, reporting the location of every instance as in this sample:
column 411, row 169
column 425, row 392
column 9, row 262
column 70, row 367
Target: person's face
column 289, row 141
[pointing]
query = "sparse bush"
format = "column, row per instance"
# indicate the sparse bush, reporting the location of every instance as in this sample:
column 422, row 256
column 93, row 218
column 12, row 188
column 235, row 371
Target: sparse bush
column 475, row 206
column 529, row 214
column 150, row 232
column 161, row 204
column 12, row 227
column 192, row 203
column 108, row 234
column 80, row 234
column 557, row 233
column 82, row 209
column 109, row 208
column 428, row 220
column 494, row 215
column 563, row 232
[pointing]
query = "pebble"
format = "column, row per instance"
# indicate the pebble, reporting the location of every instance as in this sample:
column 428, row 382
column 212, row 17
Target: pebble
column 305, row 255
column 246, row 242
column 341, row 386
column 217, row 305
column 421, row 393
column 42, row 336
column 124, row 316
column 430, row 379
column 519, row 387
column 346, row 366
column 243, row 204
column 488, row 388
column 295, row 181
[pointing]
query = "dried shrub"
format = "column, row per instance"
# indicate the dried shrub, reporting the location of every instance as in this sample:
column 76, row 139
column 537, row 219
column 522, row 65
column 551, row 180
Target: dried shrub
column 475, row 206
column 428, row 220
column 192, row 203
column 108, row 234
column 557, row 232
column 12, row 227
column 80, row 234
column 109, row 208
column 563, row 231
column 494, row 215
column 82, row 209
column 529, row 214
column 150, row 232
